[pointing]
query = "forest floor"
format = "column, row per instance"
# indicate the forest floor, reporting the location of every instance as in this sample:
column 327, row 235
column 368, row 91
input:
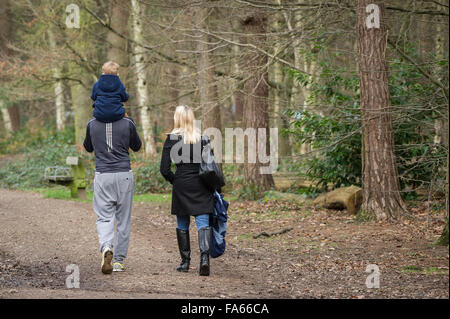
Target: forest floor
column 324, row 255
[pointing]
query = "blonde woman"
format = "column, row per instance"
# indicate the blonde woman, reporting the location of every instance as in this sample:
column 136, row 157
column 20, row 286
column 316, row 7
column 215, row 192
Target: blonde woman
column 190, row 197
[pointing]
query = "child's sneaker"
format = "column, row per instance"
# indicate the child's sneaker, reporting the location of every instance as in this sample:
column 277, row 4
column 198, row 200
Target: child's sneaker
column 118, row 267
column 107, row 256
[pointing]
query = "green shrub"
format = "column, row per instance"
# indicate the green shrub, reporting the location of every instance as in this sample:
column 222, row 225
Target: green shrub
column 148, row 179
column 336, row 135
column 49, row 148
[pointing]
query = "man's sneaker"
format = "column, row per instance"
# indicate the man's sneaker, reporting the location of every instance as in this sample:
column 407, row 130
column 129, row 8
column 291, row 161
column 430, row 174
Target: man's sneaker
column 118, row 267
column 107, row 256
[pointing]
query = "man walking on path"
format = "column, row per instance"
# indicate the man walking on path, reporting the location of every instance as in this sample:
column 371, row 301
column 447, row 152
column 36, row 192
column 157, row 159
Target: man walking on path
column 113, row 186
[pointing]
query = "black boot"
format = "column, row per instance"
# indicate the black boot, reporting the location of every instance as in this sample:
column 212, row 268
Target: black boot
column 204, row 242
column 184, row 246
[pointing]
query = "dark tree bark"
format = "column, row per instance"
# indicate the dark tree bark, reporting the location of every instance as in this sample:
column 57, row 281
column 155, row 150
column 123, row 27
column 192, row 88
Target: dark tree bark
column 381, row 188
column 256, row 103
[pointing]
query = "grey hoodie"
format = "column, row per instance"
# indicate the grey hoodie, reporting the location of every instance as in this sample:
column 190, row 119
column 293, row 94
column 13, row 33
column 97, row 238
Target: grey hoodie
column 110, row 143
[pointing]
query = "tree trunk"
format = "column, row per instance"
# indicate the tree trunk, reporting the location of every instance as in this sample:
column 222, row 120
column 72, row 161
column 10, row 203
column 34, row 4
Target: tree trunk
column 58, row 86
column 119, row 46
column 299, row 95
column 173, row 89
column 183, row 97
column 206, row 76
column 237, row 96
column 6, row 118
column 381, row 188
column 14, row 115
column 10, row 114
column 141, row 75
column 443, row 240
column 441, row 124
column 82, row 108
column 256, row 100
column 284, row 145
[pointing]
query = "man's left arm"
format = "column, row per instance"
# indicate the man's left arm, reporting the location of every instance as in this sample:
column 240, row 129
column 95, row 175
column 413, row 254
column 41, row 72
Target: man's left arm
column 87, row 140
column 135, row 140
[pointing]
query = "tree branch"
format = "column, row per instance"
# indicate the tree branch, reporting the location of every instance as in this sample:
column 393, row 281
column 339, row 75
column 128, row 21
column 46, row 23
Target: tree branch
column 419, row 68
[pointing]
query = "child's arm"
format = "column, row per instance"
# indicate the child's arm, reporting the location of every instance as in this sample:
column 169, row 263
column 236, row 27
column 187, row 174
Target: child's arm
column 94, row 92
column 123, row 94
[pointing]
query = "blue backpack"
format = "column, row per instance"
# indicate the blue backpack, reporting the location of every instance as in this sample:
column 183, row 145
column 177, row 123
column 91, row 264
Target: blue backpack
column 219, row 225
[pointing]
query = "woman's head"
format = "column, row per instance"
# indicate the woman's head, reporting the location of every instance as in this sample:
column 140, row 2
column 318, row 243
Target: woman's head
column 184, row 124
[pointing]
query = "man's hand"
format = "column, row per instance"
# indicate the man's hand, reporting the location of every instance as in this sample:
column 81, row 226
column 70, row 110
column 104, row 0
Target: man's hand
column 80, row 148
column 126, row 114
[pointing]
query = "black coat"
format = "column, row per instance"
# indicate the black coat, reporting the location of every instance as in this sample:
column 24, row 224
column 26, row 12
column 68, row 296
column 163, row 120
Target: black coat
column 189, row 194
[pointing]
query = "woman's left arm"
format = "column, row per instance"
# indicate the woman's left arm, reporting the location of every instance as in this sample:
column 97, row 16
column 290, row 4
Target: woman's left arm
column 166, row 162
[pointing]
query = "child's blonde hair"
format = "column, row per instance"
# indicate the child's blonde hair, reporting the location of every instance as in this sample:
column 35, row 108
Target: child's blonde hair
column 110, row 67
column 184, row 125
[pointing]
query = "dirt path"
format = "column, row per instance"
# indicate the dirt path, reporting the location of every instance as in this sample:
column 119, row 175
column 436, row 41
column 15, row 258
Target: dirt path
column 40, row 237
column 323, row 256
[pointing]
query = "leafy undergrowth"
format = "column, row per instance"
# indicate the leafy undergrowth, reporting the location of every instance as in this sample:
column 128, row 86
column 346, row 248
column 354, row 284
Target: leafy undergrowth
column 324, row 253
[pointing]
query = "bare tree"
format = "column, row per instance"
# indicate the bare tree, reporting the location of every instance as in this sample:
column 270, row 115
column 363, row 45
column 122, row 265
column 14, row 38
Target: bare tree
column 58, row 86
column 10, row 113
column 141, row 75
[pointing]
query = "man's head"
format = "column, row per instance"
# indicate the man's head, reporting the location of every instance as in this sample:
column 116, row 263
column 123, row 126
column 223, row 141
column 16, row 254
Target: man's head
column 110, row 67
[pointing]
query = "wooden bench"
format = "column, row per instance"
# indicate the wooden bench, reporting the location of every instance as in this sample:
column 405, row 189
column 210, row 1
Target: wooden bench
column 72, row 176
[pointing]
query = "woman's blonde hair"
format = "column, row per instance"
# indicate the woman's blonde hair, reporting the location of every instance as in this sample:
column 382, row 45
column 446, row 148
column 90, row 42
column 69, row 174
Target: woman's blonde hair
column 184, row 125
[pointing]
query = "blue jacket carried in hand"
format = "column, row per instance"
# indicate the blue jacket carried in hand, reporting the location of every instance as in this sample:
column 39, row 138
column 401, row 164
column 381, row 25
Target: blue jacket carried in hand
column 219, row 225
column 108, row 93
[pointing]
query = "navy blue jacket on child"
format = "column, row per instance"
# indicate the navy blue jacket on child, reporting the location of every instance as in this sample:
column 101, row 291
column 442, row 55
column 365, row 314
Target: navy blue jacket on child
column 108, row 93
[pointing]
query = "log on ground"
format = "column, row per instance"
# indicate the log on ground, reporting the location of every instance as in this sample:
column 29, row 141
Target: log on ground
column 349, row 198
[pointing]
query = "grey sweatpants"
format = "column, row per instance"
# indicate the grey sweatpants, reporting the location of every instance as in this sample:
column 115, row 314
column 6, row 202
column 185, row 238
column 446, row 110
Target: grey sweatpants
column 113, row 199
